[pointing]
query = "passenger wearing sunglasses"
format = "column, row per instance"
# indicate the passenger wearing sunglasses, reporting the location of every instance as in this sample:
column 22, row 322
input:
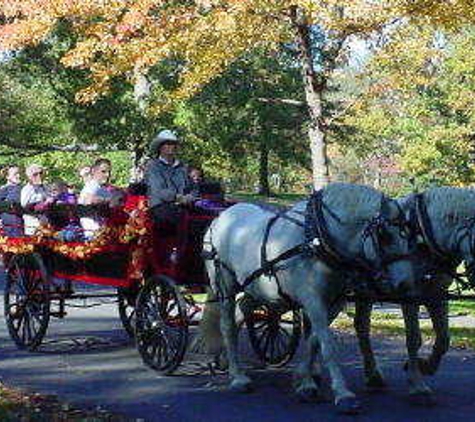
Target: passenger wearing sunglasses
column 34, row 195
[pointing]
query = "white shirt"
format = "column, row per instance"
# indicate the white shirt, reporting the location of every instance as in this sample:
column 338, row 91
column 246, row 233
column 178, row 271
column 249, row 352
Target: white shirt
column 92, row 187
column 32, row 194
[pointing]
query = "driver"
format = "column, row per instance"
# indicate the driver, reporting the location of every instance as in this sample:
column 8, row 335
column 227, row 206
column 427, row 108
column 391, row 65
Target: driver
column 167, row 181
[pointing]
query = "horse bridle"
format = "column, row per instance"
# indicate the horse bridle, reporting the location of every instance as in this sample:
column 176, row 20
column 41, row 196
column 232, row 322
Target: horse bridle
column 377, row 229
column 374, row 231
column 444, row 261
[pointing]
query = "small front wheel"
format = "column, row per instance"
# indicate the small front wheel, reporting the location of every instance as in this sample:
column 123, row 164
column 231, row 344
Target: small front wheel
column 27, row 300
column 161, row 325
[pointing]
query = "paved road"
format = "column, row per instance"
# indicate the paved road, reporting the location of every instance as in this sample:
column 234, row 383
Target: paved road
column 88, row 360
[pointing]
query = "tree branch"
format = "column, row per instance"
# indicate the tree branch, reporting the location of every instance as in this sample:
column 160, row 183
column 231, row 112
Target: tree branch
column 289, row 101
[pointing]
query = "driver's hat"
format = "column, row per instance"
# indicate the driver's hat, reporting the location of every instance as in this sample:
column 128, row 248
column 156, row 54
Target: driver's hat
column 163, row 137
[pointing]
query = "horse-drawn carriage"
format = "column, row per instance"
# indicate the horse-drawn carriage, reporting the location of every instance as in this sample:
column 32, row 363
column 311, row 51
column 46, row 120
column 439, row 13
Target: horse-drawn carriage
column 160, row 282
column 307, row 259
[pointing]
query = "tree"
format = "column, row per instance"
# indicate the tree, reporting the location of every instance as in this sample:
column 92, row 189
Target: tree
column 417, row 105
column 115, row 38
column 254, row 111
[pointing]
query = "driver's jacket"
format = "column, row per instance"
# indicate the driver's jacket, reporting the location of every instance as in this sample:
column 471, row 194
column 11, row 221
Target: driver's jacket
column 165, row 181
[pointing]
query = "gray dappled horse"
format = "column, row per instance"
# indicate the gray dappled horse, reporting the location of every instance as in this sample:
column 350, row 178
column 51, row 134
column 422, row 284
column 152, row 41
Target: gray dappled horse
column 442, row 221
column 364, row 227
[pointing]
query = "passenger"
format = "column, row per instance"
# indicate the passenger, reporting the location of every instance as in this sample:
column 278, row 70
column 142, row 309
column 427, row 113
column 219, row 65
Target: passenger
column 85, row 174
column 210, row 193
column 10, row 194
column 95, row 192
column 167, row 182
column 33, row 194
column 196, row 179
column 58, row 194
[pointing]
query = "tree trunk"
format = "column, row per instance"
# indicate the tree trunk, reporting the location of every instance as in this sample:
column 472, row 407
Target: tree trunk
column 264, row 188
column 142, row 90
column 137, row 155
column 314, row 89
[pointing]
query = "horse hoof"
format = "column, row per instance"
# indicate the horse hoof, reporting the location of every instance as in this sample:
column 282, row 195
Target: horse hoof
column 241, row 386
column 375, row 383
column 348, row 406
column 423, row 398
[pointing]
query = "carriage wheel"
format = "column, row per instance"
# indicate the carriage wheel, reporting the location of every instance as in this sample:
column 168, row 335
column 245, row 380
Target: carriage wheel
column 27, row 300
column 126, row 299
column 161, row 325
column 274, row 334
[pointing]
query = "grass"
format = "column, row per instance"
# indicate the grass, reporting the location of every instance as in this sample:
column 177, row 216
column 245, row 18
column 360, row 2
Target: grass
column 392, row 325
column 459, row 307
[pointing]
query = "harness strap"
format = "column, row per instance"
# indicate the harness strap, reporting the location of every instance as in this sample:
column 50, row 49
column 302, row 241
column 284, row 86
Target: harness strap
column 268, row 267
column 324, row 249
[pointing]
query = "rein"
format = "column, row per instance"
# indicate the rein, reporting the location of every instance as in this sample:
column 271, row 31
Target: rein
column 377, row 229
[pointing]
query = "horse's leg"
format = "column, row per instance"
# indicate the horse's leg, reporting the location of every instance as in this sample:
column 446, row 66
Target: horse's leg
column 320, row 333
column 362, row 323
column 418, row 389
column 308, row 373
column 307, row 381
column 438, row 311
column 239, row 381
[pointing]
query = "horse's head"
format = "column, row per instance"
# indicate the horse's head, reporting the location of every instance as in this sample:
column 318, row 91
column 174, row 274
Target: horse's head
column 450, row 226
column 388, row 246
column 368, row 229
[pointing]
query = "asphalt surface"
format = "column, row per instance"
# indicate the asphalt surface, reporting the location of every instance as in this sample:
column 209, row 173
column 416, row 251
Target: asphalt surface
column 88, row 360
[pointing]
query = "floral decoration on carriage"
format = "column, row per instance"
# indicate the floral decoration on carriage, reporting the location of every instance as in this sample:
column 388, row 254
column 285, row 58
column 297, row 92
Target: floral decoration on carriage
column 129, row 226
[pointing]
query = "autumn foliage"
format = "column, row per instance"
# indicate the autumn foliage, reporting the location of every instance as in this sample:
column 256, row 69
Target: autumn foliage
column 119, row 37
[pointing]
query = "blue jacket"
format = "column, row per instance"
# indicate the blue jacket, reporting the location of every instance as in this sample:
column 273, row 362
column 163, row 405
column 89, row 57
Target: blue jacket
column 165, row 181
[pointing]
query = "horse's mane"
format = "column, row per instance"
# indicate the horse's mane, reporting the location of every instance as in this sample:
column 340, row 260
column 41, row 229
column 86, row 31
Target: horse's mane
column 352, row 202
column 450, row 204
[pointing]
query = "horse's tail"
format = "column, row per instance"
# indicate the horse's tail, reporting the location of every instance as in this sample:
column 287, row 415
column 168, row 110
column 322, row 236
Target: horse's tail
column 209, row 339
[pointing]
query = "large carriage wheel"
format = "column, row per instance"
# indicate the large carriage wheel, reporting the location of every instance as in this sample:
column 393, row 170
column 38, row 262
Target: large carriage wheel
column 161, row 324
column 27, row 300
column 126, row 300
column 274, row 333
